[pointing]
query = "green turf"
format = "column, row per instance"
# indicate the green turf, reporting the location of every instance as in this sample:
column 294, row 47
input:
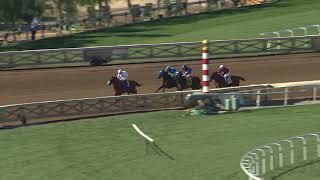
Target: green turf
column 202, row 147
column 311, row 170
column 227, row 24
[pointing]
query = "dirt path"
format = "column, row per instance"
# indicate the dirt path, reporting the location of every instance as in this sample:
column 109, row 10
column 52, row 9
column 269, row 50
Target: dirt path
column 24, row 86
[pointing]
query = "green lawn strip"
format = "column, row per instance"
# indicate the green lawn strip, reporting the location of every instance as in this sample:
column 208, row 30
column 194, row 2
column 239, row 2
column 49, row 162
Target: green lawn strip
column 226, row 24
column 203, row 147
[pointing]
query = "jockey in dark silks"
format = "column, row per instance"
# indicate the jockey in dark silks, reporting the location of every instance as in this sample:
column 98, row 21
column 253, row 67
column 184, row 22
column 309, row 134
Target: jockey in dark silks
column 171, row 71
column 123, row 76
column 187, row 71
column 225, row 73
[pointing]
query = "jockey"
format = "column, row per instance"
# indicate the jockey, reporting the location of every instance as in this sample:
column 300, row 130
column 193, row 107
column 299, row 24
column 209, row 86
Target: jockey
column 225, row 72
column 171, row 71
column 187, row 71
column 123, row 76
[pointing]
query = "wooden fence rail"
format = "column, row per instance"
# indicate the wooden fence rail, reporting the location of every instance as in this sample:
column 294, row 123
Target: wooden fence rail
column 250, row 96
column 100, row 105
column 156, row 52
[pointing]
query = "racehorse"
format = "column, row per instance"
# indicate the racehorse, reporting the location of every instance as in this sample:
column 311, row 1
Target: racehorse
column 192, row 82
column 120, row 88
column 167, row 81
column 220, row 81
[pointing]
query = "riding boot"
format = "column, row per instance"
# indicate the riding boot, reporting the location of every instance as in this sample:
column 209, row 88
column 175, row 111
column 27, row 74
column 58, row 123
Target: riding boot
column 229, row 80
column 189, row 81
column 127, row 83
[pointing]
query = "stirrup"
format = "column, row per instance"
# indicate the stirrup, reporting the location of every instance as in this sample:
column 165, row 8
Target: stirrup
column 229, row 80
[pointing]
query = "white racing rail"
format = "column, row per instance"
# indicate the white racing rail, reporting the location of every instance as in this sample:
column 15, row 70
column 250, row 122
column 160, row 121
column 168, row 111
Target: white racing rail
column 148, row 141
column 253, row 163
column 142, row 134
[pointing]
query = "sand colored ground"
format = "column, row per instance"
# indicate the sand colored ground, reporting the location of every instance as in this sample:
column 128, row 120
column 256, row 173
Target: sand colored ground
column 22, row 86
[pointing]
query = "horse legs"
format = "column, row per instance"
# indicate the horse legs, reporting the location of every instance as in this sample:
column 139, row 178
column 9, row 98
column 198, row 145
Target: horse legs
column 133, row 90
column 163, row 86
column 194, row 84
column 236, row 83
column 181, row 86
column 199, row 86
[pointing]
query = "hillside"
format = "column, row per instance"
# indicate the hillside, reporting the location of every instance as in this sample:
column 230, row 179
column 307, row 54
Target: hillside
column 227, row 24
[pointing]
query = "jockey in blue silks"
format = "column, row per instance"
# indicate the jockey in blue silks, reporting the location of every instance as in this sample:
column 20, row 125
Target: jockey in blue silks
column 187, row 71
column 171, row 71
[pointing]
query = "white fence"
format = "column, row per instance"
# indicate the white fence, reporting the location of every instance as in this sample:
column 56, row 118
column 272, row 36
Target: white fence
column 299, row 31
column 288, row 152
column 280, row 94
column 157, row 52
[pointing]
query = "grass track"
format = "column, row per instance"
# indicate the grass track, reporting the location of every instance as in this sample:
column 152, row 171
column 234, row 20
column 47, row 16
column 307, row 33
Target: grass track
column 203, row 147
column 227, row 24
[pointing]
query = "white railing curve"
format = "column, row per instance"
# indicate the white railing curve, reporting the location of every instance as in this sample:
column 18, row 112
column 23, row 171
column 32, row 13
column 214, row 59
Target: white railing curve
column 254, row 165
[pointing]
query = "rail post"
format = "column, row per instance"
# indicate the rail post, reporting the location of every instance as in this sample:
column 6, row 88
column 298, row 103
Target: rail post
column 258, row 98
column 278, row 41
column 205, row 68
column 280, row 154
column 285, row 98
column 318, row 143
column 314, row 94
column 291, row 150
column 257, row 167
column 304, row 146
column 270, row 156
column 148, row 140
column 263, row 160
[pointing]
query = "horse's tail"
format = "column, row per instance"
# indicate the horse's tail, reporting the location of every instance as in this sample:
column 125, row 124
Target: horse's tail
column 197, row 82
column 137, row 84
column 241, row 78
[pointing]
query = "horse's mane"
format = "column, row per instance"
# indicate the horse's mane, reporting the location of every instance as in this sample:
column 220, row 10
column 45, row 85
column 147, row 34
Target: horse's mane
column 215, row 74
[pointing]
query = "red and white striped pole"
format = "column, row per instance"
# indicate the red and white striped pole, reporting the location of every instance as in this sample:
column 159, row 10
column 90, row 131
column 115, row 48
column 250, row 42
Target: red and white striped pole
column 205, row 67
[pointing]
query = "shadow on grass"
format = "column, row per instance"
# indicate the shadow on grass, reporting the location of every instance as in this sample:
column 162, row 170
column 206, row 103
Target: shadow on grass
column 294, row 168
column 160, row 151
column 126, row 29
column 143, row 35
column 213, row 14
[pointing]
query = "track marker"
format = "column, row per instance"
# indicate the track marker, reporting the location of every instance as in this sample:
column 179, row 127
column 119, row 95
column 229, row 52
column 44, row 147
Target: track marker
column 142, row 134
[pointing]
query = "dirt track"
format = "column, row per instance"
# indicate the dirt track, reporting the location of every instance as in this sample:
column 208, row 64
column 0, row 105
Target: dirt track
column 24, row 86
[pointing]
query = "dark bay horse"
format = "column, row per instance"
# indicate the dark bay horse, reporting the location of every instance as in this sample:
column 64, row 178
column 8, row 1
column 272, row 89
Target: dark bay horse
column 120, row 88
column 192, row 82
column 167, row 81
column 220, row 81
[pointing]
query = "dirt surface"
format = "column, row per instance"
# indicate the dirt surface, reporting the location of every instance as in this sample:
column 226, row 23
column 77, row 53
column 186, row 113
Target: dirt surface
column 23, row 86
